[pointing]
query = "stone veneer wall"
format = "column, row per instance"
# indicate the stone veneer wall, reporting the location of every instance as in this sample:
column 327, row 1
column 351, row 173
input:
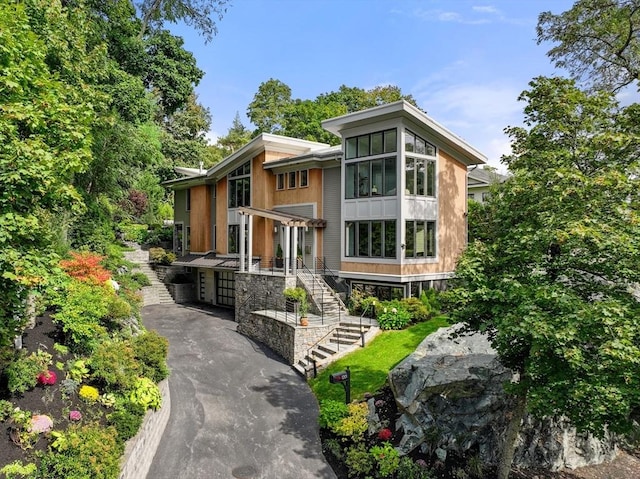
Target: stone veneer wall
column 141, row 448
column 182, row 292
column 289, row 340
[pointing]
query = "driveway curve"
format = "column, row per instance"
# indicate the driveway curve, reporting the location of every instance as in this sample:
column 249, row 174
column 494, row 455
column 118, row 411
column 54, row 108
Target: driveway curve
column 237, row 410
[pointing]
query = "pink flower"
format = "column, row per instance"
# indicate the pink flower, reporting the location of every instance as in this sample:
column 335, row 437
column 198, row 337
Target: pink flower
column 47, row 378
column 41, row 423
column 75, row 415
column 385, row 434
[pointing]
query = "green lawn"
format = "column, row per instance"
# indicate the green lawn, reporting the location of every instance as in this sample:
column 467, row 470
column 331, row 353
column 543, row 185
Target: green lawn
column 370, row 365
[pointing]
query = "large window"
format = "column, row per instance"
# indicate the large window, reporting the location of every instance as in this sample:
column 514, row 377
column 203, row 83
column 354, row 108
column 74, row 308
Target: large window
column 225, row 288
column 420, row 239
column 420, row 173
column 371, row 178
column 371, row 239
column 234, row 239
column 240, row 186
column 371, row 144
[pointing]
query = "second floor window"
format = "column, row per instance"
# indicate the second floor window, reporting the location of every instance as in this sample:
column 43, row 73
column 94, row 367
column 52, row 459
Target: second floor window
column 240, row 186
column 371, row 178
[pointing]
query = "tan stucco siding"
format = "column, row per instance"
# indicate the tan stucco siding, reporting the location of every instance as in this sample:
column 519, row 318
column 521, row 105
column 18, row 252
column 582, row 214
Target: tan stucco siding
column 262, row 192
column 374, row 268
column 452, row 201
column 221, row 217
column 200, row 219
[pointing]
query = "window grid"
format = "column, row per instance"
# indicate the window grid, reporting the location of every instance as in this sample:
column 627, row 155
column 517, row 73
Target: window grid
column 371, row 144
column 375, row 238
column 280, row 181
column 240, row 186
column 304, row 178
column 371, row 178
column 420, row 239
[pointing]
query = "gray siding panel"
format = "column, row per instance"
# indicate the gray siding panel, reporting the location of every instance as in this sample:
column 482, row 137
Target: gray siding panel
column 180, row 213
column 331, row 195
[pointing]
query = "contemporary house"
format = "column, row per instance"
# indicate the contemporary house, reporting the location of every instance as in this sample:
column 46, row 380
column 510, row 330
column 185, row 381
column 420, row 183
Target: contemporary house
column 480, row 180
column 384, row 211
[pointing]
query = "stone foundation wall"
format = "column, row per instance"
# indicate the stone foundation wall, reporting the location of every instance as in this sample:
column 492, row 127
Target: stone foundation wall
column 289, row 340
column 167, row 273
column 182, row 292
column 141, row 448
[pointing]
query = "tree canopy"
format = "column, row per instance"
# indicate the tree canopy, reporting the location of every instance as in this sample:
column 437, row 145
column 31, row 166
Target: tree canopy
column 598, row 41
column 554, row 277
column 273, row 110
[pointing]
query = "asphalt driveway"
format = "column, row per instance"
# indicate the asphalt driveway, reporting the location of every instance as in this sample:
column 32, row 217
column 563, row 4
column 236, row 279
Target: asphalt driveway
column 237, row 410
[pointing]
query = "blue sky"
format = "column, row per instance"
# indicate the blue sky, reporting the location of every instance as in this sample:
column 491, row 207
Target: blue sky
column 464, row 61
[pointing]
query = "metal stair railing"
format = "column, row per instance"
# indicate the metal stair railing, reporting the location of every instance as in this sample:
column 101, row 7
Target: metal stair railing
column 268, row 303
column 329, row 276
column 315, row 285
column 317, row 343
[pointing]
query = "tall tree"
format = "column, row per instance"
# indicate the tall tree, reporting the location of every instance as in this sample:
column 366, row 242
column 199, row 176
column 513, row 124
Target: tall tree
column 598, row 41
column 554, row 278
column 44, row 141
column 267, row 110
column 196, row 13
column 237, row 136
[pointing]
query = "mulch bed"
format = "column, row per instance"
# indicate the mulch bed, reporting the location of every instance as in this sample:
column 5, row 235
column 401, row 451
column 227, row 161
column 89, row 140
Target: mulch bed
column 43, row 399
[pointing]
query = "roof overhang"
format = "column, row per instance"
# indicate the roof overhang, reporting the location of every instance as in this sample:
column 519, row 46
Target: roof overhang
column 402, row 109
column 286, row 219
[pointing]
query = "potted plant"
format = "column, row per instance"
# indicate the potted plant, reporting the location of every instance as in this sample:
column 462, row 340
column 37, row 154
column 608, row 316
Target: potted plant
column 299, row 296
column 279, row 261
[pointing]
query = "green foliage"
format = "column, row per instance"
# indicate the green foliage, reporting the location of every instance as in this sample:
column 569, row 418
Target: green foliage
column 127, row 419
column 417, row 309
column 161, row 256
column 22, row 373
column 355, row 424
column 298, row 295
column 17, row 470
column 387, row 459
column 81, row 452
column 150, row 350
column 6, row 407
column 332, row 412
column 594, row 42
column 146, row 393
column 393, row 315
column 552, row 281
column 359, row 460
column 80, row 314
column 407, row 469
column 114, row 366
column 77, row 369
column 140, row 279
column 133, row 232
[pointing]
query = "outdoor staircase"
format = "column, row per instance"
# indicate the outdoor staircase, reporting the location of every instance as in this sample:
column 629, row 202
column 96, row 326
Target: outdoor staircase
column 346, row 337
column 157, row 293
column 326, row 300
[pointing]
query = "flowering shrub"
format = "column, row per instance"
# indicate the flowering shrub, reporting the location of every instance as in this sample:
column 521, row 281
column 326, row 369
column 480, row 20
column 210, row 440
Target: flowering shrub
column 89, row 393
column 86, row 267
column 385, row 434
column 75, row 415
column 47, row 377
column 393, row 315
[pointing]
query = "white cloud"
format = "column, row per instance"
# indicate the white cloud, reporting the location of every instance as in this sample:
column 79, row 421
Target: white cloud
column 485, row 9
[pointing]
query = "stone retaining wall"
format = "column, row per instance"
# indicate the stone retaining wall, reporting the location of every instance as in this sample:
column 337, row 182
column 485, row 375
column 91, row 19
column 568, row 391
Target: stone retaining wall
column 141, row 449
column 182, row 292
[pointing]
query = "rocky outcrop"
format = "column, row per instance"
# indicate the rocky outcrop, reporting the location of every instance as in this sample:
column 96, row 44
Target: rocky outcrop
column 451, row 393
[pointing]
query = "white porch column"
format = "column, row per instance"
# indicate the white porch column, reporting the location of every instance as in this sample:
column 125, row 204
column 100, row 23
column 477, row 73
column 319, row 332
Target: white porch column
column 287, row 251
column 241, row 235
column 250, row 244
column 294, row 251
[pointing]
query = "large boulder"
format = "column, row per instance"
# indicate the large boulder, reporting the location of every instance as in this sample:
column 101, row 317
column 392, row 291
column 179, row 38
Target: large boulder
column 451, row 395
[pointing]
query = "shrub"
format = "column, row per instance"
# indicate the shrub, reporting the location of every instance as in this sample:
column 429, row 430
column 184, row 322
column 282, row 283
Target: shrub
column 358, row 460
column 407, row 469
column 393, row 315
column 430, row 298
column 127, row 419
column 89, row 393
column 80, row 314
column 151, row 349
column 17, row 470
column 85, row 266
column 146, row 393
column 160, row 256
column 6, row 408
column 133, row 232
column 417, row 309
column 140, row 279
column 82, row 452
column 114, row 366
column 355, row 424
column 22, row 373
column 332, row 412
column 118, row 308
column 387, row 458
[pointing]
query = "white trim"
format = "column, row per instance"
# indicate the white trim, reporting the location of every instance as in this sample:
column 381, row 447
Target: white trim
column 394, row 278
